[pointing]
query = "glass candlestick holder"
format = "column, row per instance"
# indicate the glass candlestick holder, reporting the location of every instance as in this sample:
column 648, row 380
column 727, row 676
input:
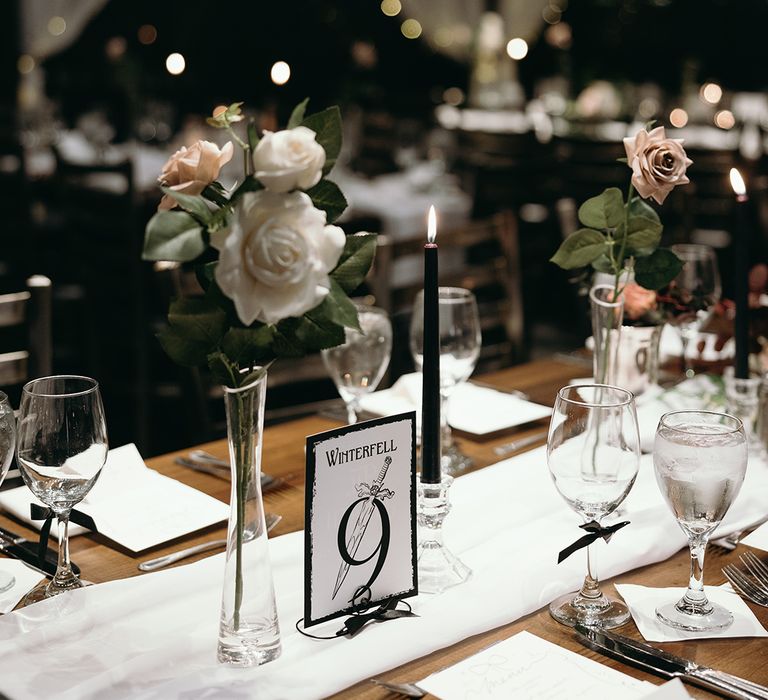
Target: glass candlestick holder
column 742, row 397
column 439, row 568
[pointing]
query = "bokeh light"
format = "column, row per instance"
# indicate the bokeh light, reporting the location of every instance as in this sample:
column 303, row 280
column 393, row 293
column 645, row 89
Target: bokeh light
column 453, row 96
column 725, row 119
column 147, row 34
column 391, row 8
column 711, row 92
column 175, row 64
column 280, row 73
column 411, row 29
column 57, row 26
column 517, row 48
column 25, row 64
column 678, row 117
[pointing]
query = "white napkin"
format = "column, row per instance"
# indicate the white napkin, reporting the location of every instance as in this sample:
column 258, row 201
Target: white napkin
column 758, row 538
column 133, row 505
column 154, row 636
column 671, row 690
column 26, row 579
column 643, row 601
column 471, row 408
column 527, row 666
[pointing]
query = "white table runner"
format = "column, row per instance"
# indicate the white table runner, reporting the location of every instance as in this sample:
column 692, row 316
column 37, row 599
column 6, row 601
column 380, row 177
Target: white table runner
column 155, row 636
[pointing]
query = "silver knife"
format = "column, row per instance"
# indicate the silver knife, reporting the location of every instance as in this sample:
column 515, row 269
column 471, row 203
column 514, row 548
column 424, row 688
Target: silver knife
column 669, row 665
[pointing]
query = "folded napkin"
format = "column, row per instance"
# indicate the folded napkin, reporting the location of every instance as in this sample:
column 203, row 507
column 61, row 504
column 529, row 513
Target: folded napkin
column 471, row 408
column 131, row 504
column 25, row 579
column 643, row 601
column 758, row 538
column 154, row 636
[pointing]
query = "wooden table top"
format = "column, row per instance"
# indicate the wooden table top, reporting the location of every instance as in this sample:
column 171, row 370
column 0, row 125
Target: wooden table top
column 283, row 452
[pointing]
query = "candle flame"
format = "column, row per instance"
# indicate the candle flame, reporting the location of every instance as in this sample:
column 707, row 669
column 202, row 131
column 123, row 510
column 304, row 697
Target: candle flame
column 737, row 182
column 431, row 224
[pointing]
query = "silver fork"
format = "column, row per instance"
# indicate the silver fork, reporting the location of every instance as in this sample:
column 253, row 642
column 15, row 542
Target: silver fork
column 168, row 559
column 751, row 587
column 410, row 690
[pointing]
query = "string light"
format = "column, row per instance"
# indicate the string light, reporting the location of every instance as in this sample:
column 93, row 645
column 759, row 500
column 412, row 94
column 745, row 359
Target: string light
column 175, row 64
column 280, row 73
column 517, row 48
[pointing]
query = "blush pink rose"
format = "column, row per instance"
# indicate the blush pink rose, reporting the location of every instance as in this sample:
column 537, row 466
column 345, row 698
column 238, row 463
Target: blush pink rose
column 658, row 163
column 191, row 170
column 638, row 300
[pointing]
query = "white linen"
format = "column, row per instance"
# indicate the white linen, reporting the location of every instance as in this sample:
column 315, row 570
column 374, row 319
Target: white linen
column 527, row 666
column 471, row 408
column 132, row 505
column 758, row 538
column 671, row 690
column 643, row 601
column 26, row 579
column 155, row 636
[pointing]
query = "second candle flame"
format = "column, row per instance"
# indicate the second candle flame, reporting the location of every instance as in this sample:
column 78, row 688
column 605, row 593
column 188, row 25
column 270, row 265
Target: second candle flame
column 431, row 225
column 737, row 183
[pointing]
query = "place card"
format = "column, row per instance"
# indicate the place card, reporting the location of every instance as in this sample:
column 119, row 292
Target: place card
column 758, row 538
column 360, row 517
column 643, row 601
column 133, row 505
column 527, row 666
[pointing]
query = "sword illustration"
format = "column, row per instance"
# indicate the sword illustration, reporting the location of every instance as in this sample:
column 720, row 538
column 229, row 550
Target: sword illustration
column 372, row 492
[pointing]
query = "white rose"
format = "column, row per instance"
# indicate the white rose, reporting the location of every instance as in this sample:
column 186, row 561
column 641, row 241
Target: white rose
column 275, row 260
column 289, row 160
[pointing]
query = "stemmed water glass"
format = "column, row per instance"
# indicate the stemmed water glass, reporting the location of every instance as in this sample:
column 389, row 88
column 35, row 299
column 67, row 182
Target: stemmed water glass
column 61, row 449
column 700, row 459
column 460, row 342
column 358, row 365
column 7, row 447
column 593, row 453
column 692, row 295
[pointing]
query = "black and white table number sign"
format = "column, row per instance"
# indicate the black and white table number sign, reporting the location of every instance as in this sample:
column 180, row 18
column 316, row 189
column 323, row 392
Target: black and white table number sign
column 360, row 517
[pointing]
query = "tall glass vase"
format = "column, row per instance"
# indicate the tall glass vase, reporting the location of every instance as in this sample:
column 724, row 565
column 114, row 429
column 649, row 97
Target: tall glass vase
column 249, row 634
column 607, row 317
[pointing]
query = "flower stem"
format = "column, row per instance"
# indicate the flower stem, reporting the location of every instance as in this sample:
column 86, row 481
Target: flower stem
column 619, row 262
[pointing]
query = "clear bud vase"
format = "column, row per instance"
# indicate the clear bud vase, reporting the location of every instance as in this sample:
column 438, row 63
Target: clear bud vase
column 607, row 317
column 249, row 634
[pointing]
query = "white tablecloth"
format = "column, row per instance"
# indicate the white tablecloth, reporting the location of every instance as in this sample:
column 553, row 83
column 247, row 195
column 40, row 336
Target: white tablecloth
column 155, row 636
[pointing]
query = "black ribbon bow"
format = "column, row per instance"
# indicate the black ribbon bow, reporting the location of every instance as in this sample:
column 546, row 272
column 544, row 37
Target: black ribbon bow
column 596, row 531
column 40, row 513
column 386, row 611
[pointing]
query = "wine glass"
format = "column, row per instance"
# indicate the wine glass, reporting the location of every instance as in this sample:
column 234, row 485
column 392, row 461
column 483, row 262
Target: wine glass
column 61, row 448
column 7, row 447
column 700, row 459
column 358, row 365
column 460, row 341
column 692, row 295
column 593, row 453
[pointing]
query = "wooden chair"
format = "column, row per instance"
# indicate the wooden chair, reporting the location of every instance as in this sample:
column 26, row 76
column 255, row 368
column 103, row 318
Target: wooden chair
column 30, row 308
column 481, row 256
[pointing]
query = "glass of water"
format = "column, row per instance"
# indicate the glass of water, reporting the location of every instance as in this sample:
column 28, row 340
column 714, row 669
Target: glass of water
column 358, row 365
column 593, row 453
column 61, row 448
column 700, row 459
column 460, row 342
column 7, row 447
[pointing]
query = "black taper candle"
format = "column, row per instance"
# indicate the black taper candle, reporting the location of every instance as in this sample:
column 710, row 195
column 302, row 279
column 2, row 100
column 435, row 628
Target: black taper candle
column 740, row 245
column 430, row 404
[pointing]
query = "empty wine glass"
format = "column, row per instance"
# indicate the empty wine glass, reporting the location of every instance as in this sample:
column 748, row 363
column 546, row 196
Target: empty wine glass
column 692, row 295
column 700, row 459
column 593, row 453
column 7, row 447
column 61, row 448
column 460, row 342
column 358, row 365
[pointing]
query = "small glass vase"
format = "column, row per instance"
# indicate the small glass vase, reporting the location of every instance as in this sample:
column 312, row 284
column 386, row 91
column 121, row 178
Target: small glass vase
column 607, row 317
column 249, row 634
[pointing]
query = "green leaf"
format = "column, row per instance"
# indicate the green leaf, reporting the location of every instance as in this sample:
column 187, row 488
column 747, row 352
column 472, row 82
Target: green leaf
column 173, row 235
column 253, row 135
column 223, row 371
column 297, row 116
column 644, row 235
column 216, row 193
column 204, row 274
column 658, row 269
column 181, row 349
column 198, row 319
column 194, row 204
column 604, row 211
column 248, row 346
column 580, row 249
column 639, row 207
column 337, row 308
column 327, row 196
column 355, row 261
column 315, row 334
column 327, row 127
column 250, row 184
column 603, row 264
